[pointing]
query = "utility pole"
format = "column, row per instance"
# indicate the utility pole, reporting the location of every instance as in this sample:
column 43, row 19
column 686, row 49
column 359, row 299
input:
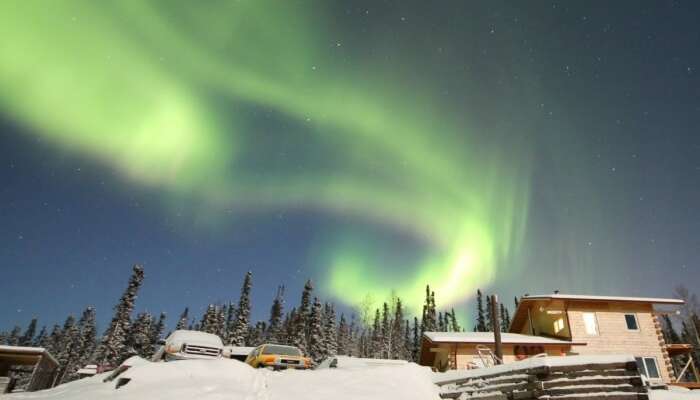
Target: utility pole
column 495, row 323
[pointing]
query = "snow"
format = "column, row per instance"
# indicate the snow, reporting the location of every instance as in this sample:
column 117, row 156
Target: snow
column 674, row 393
column 219, row 379
column 487, row 337
column 561, row 296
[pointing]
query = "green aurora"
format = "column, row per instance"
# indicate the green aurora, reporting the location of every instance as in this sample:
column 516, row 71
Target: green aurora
column 163, row 94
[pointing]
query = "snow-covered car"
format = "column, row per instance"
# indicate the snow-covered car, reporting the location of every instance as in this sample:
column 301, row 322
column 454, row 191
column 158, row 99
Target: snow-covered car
column 277, row 356
column 184, row 345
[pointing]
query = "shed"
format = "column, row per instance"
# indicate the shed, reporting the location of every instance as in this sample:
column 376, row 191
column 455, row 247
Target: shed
column 13, row 358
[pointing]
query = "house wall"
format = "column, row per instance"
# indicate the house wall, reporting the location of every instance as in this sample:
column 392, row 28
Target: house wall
column 614, row 337
column 467, row 353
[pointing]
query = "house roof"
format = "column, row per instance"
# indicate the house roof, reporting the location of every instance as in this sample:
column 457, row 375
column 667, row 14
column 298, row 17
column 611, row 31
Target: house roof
column 580, row 297
column 520, row 316
column 487, row 338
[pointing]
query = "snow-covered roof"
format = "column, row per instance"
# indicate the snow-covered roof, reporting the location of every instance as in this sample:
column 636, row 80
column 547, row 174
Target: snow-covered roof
column 561, row 296
column 28, row 350
column 487, row 338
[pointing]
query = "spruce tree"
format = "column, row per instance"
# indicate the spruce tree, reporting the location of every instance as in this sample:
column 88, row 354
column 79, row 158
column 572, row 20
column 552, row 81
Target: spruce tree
column 375, row 345
column 54, row 340
column 13, row 338
column 516, row 302
column 316, row 343
column 209, row 320
column 81, row 340
column 454, row 323
column 398, row 343
column 330, row 334
column 139, row 339
column 415, row 348
column 113, row 349
column 441, row 323
column 230, row 321
column 480, row 317
column 40, row 338
column 276, row 312
column 237, row 337
column 343, row 336
column 183, row 321
column 67, row 353
column 407, row 351
column 157, row 329
column 489, row 315
column 385, row 332
column 3, row 337
column 28, row 337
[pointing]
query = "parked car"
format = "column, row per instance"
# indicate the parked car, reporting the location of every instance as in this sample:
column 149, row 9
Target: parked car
column 276, row 356
column 184, row 345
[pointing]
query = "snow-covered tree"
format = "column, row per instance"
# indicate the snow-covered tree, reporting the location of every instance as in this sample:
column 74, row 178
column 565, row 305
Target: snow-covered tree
column 69, row 347
column 183, row 321
column 316, row 341
column 139, row 338
column 375, row 345
column 113, row 349
column 240, row 329
column 230, row 321
column 480, row 316
column 453, row 321
column 329, row 335
column 398, row 343
column 53, row 341
column 210, row 321
column 40, row 337
column 28, row 337
column 256, row 334
column 157, row 329
column 13, row 337
column 343, row 337
column 385, row 332
column 489, row 314
column 415, row 347
column 276, row 311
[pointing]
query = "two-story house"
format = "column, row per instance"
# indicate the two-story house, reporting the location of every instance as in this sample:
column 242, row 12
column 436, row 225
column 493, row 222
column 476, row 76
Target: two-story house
column 567, row 324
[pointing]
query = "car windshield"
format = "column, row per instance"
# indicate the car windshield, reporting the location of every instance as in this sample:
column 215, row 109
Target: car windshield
column 282, row 350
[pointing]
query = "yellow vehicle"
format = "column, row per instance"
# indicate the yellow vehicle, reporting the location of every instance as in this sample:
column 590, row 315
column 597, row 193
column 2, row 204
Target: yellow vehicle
column 277, row 356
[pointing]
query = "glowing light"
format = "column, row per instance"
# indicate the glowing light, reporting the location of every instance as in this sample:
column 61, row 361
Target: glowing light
column 159, row 93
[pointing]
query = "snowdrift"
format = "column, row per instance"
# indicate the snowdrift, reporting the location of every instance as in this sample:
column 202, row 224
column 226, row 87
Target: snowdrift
column 232, row 380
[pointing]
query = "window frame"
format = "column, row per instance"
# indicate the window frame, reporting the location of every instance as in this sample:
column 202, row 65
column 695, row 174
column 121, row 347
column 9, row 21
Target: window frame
column 596, row 326
column 636, row 322
column 642, row 361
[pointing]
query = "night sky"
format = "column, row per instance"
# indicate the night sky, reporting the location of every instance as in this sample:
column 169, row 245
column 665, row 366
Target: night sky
column 517, row 147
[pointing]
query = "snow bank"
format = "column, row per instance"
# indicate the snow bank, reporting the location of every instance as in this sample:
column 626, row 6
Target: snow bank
column 233, row 380
column 401, row 382
column 674, row 393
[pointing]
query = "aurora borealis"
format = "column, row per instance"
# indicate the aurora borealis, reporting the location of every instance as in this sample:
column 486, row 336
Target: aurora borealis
column 413, row 146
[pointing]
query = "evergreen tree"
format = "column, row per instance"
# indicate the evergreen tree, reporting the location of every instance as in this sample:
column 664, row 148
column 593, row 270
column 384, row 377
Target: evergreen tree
column 515, row 300
column 230, row 321
column 13, row 338
column 81, row 341
column 453, row 320
column 398, row 343
column 428, row 320
column 28, row 337
column 480, row 317
column 67, row 354
column 54, row 340
column 343, row 337
column 489, row 315
column 3, row 337
column 183, row 321
column 276, row 311
column 240, row 328
column 112, row 349
column 330, row 334
column 210, row 320
column 385, row 332
column 139, row 339
column 256, row 334
column 415, row 348
column 504, row 317
column 40, row 339
column 157, row 329
column 316, row 343
column 407, row 351
column 441, row 323
column 375, row 345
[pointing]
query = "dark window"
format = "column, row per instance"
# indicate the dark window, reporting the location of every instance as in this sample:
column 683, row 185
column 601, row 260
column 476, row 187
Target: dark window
column 652, row 370
column 631, row 320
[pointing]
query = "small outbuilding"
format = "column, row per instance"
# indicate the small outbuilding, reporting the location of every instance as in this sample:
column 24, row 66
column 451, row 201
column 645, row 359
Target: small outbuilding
column 16, row 359
column 466, row 350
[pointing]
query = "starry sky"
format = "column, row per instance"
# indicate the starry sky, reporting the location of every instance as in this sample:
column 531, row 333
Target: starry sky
column 374, row 147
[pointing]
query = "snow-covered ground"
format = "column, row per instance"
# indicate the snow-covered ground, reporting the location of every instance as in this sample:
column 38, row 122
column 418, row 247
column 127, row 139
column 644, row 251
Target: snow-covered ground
column 233, row 380
column 675, row 393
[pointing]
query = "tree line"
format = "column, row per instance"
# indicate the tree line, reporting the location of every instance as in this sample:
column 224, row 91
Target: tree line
column 689, row 319
column 312, row 325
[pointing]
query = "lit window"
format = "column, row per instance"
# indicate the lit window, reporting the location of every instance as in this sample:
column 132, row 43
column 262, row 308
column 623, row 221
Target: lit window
column 590, row 323
column 631, row 321
column 559, row 325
